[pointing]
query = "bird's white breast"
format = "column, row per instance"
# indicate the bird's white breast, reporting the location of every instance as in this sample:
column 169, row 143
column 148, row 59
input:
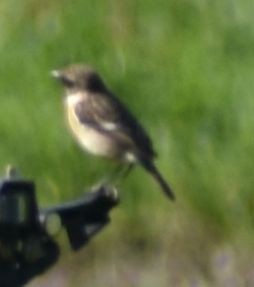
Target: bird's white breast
column 73, row 99
column 89, row 138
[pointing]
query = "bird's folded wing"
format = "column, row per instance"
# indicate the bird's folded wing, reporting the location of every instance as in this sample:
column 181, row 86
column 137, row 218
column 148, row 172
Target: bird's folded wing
column 108, row 115
column 98, row 113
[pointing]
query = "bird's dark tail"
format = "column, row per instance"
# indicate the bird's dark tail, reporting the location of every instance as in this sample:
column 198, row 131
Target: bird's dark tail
column 151, row 168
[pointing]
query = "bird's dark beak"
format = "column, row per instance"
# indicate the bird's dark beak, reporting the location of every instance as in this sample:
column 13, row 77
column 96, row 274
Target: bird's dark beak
column 62, row 78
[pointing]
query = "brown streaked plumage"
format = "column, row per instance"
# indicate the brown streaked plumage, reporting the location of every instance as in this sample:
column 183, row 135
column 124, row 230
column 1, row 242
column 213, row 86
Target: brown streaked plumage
column 102, row 124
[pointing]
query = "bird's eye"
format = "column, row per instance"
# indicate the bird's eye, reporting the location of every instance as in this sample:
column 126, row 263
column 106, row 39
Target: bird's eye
column 67, row 82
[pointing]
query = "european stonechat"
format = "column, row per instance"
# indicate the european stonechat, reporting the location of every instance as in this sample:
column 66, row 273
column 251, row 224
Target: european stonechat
column 103, row 125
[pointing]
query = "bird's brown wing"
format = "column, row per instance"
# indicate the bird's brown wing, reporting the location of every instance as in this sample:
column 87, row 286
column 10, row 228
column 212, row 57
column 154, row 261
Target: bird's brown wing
column 109, row 115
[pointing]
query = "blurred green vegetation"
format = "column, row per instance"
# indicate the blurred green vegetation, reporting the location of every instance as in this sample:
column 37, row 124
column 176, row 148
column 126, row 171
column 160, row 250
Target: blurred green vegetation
column 186, row 68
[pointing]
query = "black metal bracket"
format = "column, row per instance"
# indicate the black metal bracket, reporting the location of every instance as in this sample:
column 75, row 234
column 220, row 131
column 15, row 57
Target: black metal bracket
column 27, row 234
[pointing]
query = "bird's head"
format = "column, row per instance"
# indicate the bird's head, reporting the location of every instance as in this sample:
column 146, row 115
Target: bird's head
column 79, row 77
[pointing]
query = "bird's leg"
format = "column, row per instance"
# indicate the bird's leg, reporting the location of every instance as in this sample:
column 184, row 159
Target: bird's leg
column 118, row 172
column 122, row 173
column 116, row 177
column 127, row 170
column 112, row 177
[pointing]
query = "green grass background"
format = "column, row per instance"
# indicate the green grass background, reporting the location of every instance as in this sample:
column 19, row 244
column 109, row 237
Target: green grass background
column 185, row 67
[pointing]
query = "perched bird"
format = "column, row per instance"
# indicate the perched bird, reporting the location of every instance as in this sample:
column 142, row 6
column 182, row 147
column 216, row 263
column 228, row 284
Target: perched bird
column 103, row 125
